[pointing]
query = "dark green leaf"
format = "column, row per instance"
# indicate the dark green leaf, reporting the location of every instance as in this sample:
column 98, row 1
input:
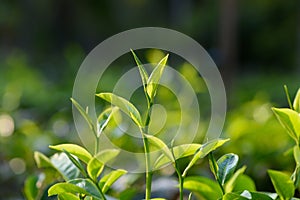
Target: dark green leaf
column 282, row 183
column 226, row 166
column 205, row 187
column 155, row 76
column 110, row 178
column 87, row 185
column 203, row 151
column 74, row 149
column 127, row 107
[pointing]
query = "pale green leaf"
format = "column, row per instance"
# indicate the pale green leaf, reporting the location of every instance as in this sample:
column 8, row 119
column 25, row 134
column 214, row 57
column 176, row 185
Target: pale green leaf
column 74, row 149
column 160, row 145
column 232, row 182
column 282, row 183
column 107, row 180
column 127, row 107
column 179, row 151
column 96, row 164
column 87, row 185
column 60, row 188
column 84, row 114
column 155, row 76
column 104, row 118
column 243, row 182
column 143, row 72
column 297, row 155
column 226, row 166
column 290, row 120
column 64, row 166
column 41, row 160
column 296, row 103
column 205, row 187
column 203, row 151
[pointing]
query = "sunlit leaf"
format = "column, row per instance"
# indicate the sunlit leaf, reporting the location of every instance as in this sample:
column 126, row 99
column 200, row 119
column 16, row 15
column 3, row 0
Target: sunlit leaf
column 67, row 196
column 243, row 182
column 179, row 151
column 74, row 149
column 207, row 188
column 96, row 164
column 143, row 72
column 290, row 120
column 41, row 160
column 282, row 183
column 127, row 107
column 232, row 182
column 296, row 103
column 203, row 151
column 76, row 162
column 64, row 166
column 233, row 196
column 60, row 188
column 160, row 145
column 88, row 186
column 226, row 166
column 84, row 115
column 155, row 76
column 107, row 180
column 104, row 118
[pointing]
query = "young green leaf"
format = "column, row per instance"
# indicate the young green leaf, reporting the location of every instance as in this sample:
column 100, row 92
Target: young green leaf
column 30, row 187
column 203, row 186
column 67, row 196
column 179, row 151
column 242, row 182
column 41, row 160
column 76, row 162
column 87, row 185
column 226, row 166
column 203, row 151
column 96, row 164
column 190, row 196
column 283, row 184
column 296, row 103
column 84, row 114
column 127, row 107
column 160, row 145
column 296, row 151
column 74, row 149
column 104, row 118
column 60, row 188
column 290, row 120
column 110, row 178
column 233, row 196
column 64, row 166
column 143, row 72
column 232, row 182
column 155, row 76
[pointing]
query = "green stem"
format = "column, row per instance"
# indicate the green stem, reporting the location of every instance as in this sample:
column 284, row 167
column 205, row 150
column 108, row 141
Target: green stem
column 288, row 97
column 214, row 164
column 99, row 189
column 181, row 181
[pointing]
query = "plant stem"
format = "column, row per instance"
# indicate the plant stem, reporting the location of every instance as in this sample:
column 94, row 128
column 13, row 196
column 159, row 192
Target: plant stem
column 288, row 97
column 99, row 189
column 181, row 181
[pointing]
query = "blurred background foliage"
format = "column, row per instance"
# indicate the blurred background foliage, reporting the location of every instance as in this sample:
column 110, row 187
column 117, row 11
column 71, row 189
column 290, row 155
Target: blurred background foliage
column 255, row 43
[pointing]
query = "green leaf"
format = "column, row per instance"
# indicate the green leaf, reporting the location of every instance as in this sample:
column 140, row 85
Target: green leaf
column 30, row 188
column 226, row 166
column 64, row 166
column 60, row 188
column 87, row 185
column 296, row 103
column 74, row 149
column 110, row 178
column 143, row 72
column 159, row 144
column 203, row 151
column 41, row 160
column 190, row 196
column 155, row 76
column 104, row 118
column 84, row 115
column 232, row 183
column 67, row 196
column 233, row 196
column 282, row 183
column 179, row 151
column 96, row 164
column 76, row 162
column 127, row 107
column 290, row 120
column 203, row 186
column 297, row 155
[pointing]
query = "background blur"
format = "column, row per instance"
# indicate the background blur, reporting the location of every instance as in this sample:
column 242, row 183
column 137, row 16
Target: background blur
column 255, row 44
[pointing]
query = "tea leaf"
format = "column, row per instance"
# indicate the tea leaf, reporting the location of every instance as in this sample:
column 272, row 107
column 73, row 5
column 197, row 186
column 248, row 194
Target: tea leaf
column 110, row 178
column 143, row 72
column 88, row 186
column 60, row 188
column 226, row 166
column 232, row 182
column 67, row 196
column 103, row 119
column 155, row 76
column 127, row 107
column 159, row 144
column 296, row 103
column 282, row 183
column 74, row 149
column 41, row 160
